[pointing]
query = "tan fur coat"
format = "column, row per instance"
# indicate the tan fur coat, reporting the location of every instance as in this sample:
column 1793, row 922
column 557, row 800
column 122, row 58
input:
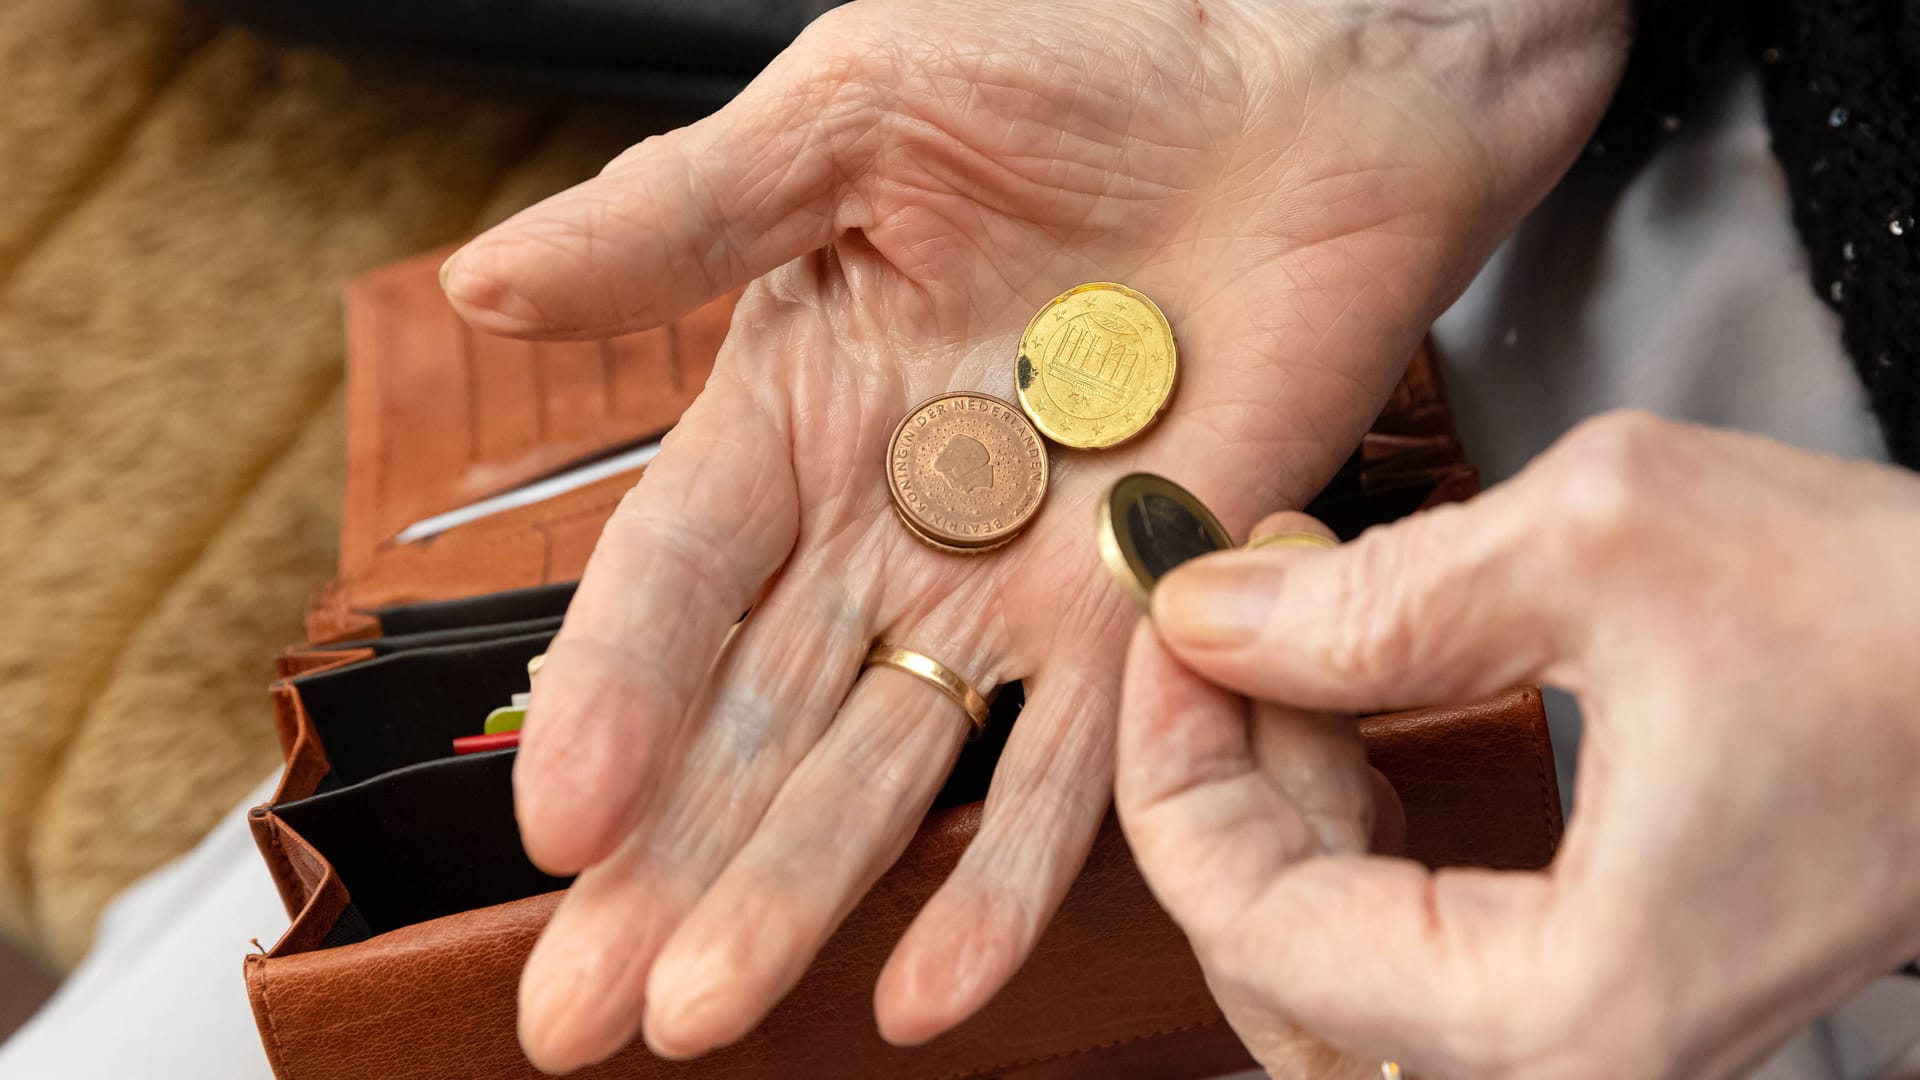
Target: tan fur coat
column 179, row 202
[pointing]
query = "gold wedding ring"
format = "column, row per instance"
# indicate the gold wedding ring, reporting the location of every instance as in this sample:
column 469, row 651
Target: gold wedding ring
column 935, row 674
column 1292, row 539
column 1389, row 1070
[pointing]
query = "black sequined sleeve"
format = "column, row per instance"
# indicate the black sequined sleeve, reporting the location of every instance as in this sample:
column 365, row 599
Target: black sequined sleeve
column 1842, row 81
column 1842, row 85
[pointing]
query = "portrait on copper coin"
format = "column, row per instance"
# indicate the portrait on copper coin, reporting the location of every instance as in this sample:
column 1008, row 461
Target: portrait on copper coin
column 966, row 464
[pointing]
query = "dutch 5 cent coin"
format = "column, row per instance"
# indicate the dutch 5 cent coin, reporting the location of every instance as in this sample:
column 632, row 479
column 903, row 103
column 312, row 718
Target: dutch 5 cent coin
column 1096, row 365
column 1149, row 525
column 966, row 471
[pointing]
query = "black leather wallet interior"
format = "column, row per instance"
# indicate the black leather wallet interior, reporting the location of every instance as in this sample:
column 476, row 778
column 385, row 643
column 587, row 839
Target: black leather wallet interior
column 661, row 53
column 1350, row 514
column 407, row 707
column 423, row 841
column 415, row 832
column 388, row 644
column 481, row 612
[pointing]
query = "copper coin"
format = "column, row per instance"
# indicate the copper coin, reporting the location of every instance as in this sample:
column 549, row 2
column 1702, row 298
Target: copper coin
column 967, row 472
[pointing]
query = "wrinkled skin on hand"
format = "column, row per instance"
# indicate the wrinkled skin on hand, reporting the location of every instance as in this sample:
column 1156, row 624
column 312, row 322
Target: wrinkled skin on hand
column 1738, row 620
column 1301, row 190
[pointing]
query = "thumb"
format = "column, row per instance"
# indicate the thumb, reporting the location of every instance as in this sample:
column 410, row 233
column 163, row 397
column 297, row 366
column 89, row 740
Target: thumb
column 680, row 218
column 1377, row 956
column 1447, row 605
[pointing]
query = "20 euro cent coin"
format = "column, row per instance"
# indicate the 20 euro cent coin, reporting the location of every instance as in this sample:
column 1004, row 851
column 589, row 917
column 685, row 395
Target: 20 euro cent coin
column 1096, row 366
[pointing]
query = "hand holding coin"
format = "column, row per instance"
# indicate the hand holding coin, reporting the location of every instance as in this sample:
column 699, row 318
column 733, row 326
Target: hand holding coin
column 899, row 193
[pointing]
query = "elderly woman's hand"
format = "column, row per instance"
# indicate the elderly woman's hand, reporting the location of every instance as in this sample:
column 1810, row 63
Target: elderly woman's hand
column 1741, row 623
column 1300, row 186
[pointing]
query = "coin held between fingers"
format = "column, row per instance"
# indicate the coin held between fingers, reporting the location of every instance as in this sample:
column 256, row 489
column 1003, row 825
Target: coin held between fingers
column 1147, row 526
column 1297, row 538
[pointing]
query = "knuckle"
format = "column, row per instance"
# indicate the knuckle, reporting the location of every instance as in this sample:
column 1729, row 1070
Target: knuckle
column 639, row 151
column 841, row 60
column 1374, row 638
column 836, row 24
column 1608, row 477
column 885, row 789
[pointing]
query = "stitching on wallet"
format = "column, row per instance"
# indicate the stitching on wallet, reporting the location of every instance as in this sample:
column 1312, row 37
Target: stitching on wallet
column 1540, row 777
column 992, row 1070
column 281, row 862
column 275, row 1056
column 1546, row 803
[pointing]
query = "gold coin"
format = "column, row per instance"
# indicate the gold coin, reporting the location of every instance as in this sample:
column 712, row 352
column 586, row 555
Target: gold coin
column 966, row 471
column 1096, row 365
column 1148, row 526
column 1296, row 538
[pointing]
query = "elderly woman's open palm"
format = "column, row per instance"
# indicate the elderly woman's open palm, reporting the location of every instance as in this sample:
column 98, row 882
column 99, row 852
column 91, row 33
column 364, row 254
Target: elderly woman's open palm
column 1300, row 190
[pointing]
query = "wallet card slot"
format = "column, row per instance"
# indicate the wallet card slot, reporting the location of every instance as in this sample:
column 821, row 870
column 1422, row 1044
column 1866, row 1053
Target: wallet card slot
column 597, row 467
column 513, row 605
column 388, row 644
column 399, row 710
column 421, row 842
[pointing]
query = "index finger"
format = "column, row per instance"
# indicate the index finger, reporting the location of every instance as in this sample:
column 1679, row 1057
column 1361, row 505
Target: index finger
column 682, row 559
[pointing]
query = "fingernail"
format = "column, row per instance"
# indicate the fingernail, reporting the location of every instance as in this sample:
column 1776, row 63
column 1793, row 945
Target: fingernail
column 447, row 268
column 1216, row 603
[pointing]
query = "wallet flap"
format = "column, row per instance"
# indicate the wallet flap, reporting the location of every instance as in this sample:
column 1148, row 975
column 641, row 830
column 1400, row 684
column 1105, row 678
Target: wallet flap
column 312, row 893
column 307, row 659
column 1476, row 781
column 475, row 612
column 440, row 415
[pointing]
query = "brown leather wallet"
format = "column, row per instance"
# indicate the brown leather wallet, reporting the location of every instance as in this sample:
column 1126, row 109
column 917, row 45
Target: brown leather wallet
column 413, row 905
